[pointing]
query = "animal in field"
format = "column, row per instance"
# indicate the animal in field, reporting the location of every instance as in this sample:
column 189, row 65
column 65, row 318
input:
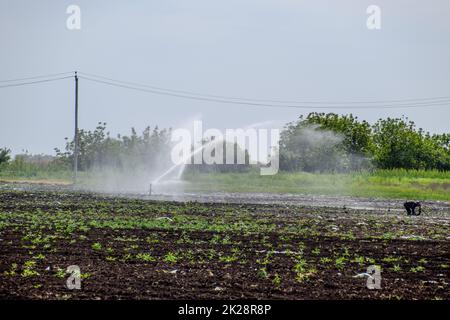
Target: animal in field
column 411, row 207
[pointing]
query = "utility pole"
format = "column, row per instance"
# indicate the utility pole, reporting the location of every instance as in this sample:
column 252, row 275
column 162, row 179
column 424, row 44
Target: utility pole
column 75, row 151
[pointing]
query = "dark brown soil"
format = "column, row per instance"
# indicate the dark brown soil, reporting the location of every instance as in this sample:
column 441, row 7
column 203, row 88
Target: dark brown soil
column 411, row 269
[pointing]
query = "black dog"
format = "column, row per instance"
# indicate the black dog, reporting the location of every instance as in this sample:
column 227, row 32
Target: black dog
column 411, row 206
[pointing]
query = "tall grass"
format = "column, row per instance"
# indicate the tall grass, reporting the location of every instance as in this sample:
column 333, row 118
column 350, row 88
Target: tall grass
column 19, row 169
column 409, row 174
column 403, row 184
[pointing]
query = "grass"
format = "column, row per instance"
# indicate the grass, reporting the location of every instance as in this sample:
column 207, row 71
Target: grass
column 23, row 171
column 396, row 183
column 399, row 183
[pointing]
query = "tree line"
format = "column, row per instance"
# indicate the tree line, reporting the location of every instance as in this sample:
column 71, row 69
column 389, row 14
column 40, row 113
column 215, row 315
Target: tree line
column 319, row 142
column 332, row 142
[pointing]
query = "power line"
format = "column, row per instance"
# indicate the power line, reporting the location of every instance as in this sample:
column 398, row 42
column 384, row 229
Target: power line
column 387, row 104
column 278, row 101
column 255, row 104
column 33, row 82
column 37, row 77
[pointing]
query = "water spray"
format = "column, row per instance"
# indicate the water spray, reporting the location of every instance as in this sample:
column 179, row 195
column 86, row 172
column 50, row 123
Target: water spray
column 182, row 164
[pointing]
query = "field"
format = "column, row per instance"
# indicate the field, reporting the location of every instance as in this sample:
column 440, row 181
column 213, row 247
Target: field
column 145, row 249
column 393, row 184
column 389, row 184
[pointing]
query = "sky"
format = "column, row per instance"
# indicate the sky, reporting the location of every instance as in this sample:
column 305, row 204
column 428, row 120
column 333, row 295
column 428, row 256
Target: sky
column 264, row 49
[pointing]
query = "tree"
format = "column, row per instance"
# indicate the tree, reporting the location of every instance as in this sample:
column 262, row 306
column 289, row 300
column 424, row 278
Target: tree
column 97, row 149
column 400, row 145
column 5, row 155
column 357, row 136
column 326, row 142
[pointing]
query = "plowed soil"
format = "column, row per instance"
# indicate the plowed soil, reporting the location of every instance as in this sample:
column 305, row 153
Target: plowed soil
column 144, row 249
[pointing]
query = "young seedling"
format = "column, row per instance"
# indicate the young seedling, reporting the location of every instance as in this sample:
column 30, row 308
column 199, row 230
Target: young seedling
column 96, row 246
column 171, row 257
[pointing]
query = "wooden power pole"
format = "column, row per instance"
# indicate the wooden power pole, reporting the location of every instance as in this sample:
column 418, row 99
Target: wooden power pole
column 75, row 151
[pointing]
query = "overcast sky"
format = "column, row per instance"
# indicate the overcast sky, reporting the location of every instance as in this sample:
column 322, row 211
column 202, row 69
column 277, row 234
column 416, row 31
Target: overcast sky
column 264, row 49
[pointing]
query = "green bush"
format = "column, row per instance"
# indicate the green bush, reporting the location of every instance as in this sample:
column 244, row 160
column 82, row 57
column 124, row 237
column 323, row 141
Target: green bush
column 400, row 145
column 331, row 142
column 5, row 155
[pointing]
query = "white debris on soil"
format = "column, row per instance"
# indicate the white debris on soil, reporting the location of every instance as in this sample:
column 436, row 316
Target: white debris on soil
column 413, row 237
column 362, row 275
column 278, row 252
column 166, row 218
